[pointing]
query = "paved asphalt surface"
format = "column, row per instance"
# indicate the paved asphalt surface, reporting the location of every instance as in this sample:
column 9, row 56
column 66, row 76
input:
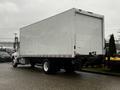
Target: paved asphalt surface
column 25, row 78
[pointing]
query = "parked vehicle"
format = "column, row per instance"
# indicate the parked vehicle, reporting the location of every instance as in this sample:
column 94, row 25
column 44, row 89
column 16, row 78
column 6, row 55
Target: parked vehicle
column 5, row 57
column 62, row 41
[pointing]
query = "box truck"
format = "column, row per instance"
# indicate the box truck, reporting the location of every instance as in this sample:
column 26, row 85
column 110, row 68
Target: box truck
column 62, row 41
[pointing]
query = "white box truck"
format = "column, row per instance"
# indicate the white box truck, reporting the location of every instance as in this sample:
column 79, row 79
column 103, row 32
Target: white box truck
column 62, row 41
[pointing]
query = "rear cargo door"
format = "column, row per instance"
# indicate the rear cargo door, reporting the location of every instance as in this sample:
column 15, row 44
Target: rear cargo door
column 89, row 34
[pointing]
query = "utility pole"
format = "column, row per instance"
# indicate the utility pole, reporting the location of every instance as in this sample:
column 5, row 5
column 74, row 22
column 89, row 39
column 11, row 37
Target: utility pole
column 16, row 43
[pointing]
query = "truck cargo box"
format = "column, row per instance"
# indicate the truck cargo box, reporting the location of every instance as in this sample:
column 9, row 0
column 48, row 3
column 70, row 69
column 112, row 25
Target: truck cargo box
column 64, row 35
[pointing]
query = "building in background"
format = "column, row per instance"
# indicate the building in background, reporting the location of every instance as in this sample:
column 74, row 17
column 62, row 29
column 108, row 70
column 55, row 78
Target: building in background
column 6, row 45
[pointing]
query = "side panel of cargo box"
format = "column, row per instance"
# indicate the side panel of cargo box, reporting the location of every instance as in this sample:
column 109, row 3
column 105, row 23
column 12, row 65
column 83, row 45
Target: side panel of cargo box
column 52, row 37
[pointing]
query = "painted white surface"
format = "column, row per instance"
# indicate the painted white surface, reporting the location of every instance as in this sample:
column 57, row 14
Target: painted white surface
column 89, row 31
column 51, row 37
column 56, row 36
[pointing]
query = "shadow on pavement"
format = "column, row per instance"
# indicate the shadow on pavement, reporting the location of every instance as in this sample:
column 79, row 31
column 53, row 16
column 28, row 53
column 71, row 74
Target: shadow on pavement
column 38, row 69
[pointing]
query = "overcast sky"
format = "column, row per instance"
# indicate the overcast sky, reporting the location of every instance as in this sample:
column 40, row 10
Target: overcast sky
column 15, row 14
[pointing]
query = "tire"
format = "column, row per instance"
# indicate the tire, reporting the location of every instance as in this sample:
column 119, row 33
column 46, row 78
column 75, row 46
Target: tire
column 49, row 67
column 14, row 63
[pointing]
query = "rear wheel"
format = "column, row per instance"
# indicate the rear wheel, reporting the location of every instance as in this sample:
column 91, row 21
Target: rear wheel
column 49, row 67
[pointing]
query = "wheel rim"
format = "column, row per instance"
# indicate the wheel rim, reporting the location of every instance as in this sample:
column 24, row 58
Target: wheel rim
column 46, row 66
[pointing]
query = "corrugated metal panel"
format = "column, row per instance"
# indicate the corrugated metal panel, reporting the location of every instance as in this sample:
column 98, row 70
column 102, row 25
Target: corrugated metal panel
column 50, row 37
